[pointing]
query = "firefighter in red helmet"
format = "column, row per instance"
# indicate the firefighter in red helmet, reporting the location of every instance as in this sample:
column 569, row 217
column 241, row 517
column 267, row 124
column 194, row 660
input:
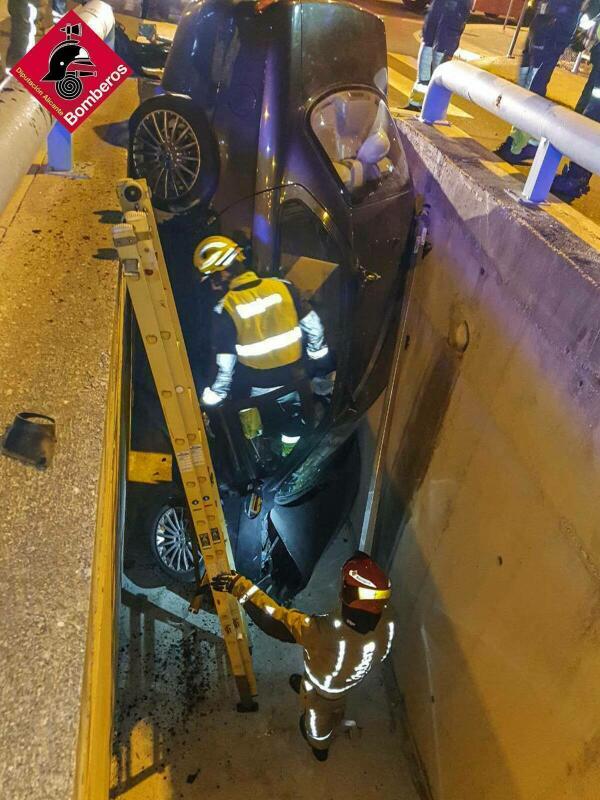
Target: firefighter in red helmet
column 340, row 647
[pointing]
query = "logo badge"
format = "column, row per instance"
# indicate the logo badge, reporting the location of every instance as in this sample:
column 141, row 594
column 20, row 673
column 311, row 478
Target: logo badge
column 365, row 581
column 71, row 71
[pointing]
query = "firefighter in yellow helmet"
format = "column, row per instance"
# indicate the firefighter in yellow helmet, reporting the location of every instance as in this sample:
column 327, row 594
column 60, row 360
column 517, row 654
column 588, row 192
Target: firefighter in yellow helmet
column 259, row 325
column 340, row 648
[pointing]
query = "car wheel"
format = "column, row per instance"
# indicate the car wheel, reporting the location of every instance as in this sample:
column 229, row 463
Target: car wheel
column 171, row 544
column 172, row 147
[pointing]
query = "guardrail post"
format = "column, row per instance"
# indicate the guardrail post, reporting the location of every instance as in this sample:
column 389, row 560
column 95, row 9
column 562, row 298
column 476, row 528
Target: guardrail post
column 542, row 173
column 435, row 104
column 60, row 141
column 60, row 149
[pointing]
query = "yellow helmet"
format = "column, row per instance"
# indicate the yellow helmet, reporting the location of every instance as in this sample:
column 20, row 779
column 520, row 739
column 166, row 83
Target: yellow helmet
column 216, row 253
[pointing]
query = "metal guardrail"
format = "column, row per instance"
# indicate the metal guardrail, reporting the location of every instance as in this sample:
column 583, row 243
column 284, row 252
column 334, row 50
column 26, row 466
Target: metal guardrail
column 25, row 124
column 561, row 131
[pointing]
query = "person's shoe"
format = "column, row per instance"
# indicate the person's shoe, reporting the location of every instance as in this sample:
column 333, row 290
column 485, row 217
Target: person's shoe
column 320, row 755
column 295, row 682
column 568, row 189
column 506, row 154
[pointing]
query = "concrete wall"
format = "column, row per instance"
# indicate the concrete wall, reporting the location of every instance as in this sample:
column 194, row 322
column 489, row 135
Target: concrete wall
column 490, row 516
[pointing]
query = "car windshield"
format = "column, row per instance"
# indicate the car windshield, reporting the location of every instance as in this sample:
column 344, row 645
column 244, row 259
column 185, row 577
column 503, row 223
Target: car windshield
column 356, row 131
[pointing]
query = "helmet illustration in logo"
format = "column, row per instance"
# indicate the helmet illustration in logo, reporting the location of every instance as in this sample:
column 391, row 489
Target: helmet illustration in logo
column 68, row 63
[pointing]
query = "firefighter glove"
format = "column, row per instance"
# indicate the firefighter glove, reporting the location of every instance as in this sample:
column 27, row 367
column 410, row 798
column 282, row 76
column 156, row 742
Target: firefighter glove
column 224, row 581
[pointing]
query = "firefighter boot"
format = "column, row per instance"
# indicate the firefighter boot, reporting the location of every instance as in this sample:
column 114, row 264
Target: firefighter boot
column 320, row 755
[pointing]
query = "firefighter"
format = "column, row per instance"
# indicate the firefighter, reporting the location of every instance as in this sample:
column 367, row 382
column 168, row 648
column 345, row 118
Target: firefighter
column 340, row 648
column 258, row 325
column 575, row 179
column 550, row 33
column 442, row 29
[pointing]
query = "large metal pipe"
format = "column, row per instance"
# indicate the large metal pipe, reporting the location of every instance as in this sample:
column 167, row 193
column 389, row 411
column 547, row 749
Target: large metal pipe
column 24, row 123
column 570, row 133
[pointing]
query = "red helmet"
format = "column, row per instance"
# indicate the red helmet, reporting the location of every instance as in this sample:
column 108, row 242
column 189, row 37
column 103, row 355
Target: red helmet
column 365, row 586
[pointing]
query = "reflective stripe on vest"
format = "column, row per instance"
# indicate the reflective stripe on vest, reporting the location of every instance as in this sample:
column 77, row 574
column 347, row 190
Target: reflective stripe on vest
column 266, row 322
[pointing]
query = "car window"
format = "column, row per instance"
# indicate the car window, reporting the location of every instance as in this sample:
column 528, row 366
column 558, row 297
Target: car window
column 311, row 259
column 357, row 133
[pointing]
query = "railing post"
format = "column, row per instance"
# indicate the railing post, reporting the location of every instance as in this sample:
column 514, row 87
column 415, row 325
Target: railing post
column 435, row 104
column 60, row 149
column 542, row 173
column 60, row 141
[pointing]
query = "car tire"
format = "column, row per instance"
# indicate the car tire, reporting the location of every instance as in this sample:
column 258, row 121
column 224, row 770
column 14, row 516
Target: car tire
column 171, row 145
column 165, row 527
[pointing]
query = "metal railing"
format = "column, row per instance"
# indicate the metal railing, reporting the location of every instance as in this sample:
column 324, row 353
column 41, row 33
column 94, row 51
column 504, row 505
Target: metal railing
column 561, row 131
column 25, row 123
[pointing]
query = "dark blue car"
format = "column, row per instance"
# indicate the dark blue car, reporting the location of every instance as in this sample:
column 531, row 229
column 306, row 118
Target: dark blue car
column 273, row 129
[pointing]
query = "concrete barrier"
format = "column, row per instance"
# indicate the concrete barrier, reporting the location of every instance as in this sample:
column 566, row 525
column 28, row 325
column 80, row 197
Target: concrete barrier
column 489, row 516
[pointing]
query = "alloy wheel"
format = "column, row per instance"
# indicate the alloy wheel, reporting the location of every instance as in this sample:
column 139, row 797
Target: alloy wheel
column 166, row 152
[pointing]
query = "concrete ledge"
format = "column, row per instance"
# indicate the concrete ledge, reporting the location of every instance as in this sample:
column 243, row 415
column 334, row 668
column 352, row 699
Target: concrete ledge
column 551, row 272
column 489, row 516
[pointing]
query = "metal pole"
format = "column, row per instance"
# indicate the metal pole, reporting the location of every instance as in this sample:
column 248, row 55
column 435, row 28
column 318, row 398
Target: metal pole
column 510, row 5
column 60, row 149
column 520, row 22
column 542, row 172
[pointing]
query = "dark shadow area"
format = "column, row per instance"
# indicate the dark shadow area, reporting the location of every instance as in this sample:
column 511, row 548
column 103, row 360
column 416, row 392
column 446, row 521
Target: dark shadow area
column 414, row 453
column 115, row 133
column 166, row 668
column 105, row 254
column 109, row 216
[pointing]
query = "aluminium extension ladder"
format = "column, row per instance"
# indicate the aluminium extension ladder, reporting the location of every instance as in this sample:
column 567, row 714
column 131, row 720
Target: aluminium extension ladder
column 147, row 280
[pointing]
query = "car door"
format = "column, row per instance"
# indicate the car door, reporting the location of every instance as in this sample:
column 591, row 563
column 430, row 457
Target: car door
column 312, row 254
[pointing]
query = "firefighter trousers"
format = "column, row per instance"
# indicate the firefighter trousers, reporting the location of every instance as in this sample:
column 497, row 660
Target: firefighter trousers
column 322, row 715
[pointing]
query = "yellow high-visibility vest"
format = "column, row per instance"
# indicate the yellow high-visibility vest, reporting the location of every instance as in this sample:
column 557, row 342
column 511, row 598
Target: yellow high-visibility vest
column 266, row 322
